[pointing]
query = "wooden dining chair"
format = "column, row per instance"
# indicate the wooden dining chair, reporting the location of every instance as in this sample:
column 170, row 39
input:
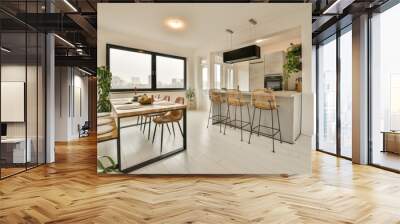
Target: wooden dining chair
column 170, row 117
column 150, row 116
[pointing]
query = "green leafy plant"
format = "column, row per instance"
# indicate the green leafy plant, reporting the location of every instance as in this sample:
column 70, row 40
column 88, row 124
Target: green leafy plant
column 105, row 164
column 293, row 61
column 190, row 94
column 104, row 78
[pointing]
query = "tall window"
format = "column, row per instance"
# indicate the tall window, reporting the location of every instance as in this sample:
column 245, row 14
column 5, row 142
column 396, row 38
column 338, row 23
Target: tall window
column 346, row 92
column 385, row 88
column 327, row 96
column 204, row 77
column 138, row 69
column 217, row 76
column 230, row 78
column 170, row 72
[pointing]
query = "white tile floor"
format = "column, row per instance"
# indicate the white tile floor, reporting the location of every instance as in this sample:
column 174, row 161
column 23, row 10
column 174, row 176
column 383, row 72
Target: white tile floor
column 211, row 152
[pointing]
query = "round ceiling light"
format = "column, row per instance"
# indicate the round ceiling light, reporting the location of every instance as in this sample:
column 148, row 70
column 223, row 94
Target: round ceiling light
column 259, row 41
column 175, row 23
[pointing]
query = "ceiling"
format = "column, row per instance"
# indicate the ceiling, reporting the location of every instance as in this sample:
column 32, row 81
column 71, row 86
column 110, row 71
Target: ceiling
column 205, row 23
column 80, row 27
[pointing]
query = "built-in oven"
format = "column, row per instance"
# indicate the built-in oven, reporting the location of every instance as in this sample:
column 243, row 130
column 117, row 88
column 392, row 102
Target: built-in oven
column 273, row 82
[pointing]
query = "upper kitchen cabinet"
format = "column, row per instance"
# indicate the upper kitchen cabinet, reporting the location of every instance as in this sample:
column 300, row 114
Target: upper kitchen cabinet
column 269, row 64
column 274, row 62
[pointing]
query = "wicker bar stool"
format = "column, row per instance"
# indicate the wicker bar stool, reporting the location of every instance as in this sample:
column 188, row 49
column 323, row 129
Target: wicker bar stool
column 235, row 99
column 265, row 101
column 216, row 99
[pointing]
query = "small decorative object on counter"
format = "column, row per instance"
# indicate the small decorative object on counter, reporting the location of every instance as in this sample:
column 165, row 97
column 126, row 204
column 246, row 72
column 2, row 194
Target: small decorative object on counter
column 145, row 100
column 135, row 96
column 299, row 84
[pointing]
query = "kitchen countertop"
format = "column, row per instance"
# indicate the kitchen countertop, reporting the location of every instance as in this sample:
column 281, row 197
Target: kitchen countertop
column 277, row 93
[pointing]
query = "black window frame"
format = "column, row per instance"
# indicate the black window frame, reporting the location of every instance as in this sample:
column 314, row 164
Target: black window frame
column 334, row 36
column 153, row 68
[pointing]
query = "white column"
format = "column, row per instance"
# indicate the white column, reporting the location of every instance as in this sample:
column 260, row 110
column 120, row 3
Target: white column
column 50, row 99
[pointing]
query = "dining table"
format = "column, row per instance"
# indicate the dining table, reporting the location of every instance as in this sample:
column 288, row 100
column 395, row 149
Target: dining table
column 126, row 108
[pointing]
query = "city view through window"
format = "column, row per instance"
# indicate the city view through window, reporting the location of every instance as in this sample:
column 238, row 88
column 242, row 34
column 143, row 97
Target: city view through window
column 132, row 70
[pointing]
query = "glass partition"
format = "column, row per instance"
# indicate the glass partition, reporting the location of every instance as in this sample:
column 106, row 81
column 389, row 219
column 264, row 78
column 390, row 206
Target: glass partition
column 385, row 89
column 22, row 66
column 13, row 92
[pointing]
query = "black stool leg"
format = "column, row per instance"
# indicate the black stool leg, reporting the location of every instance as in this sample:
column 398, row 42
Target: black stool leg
column 241, row 125
column 248, row 112
column 226, row 119
column 279, row 125
column 259, row 123
column 209, row 114
column 154, row 133
column 141, row 122
column 273, row 135
column 235, row 123
column 220, row 119
column 251, row 124
column 168, row 128
column 162, row 136
column 145, row 122
column 148, row 135
column 173, row 128
column 180, row 129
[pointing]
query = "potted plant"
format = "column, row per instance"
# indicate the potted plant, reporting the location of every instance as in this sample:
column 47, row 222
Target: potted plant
column 104, row 77
column 190, row 96
column 293, row 63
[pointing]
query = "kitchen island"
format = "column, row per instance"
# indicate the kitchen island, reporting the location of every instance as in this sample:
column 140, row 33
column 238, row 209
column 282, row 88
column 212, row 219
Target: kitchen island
column 289, row 114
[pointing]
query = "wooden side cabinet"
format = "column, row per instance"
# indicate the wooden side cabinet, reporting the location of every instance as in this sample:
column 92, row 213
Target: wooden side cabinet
column 391, row 142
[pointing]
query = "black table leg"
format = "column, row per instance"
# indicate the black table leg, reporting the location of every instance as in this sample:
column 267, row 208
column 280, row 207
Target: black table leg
column 184, row 129
column 162, row 156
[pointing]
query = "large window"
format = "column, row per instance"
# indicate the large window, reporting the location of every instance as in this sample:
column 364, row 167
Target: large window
column 204, row 77
column 144, row 70
column 217, row 76
column 170, row 72
column 130, row 69
column 327, row 96
column 385, row 89
column 346, row 92
column 334, row 127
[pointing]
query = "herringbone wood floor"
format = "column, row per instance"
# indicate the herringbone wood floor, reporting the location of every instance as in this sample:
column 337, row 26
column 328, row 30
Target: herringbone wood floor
column 70, row 191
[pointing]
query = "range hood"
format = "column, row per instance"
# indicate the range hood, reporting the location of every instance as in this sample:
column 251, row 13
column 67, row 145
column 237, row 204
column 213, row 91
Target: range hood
column 242, row 54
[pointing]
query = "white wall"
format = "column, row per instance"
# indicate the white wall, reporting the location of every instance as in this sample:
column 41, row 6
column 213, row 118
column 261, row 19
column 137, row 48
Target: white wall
column 67, row 112
column 33, row 126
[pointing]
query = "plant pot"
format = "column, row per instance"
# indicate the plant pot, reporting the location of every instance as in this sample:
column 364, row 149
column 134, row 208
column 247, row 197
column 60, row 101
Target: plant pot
column 286, row 84
column 191, row 105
